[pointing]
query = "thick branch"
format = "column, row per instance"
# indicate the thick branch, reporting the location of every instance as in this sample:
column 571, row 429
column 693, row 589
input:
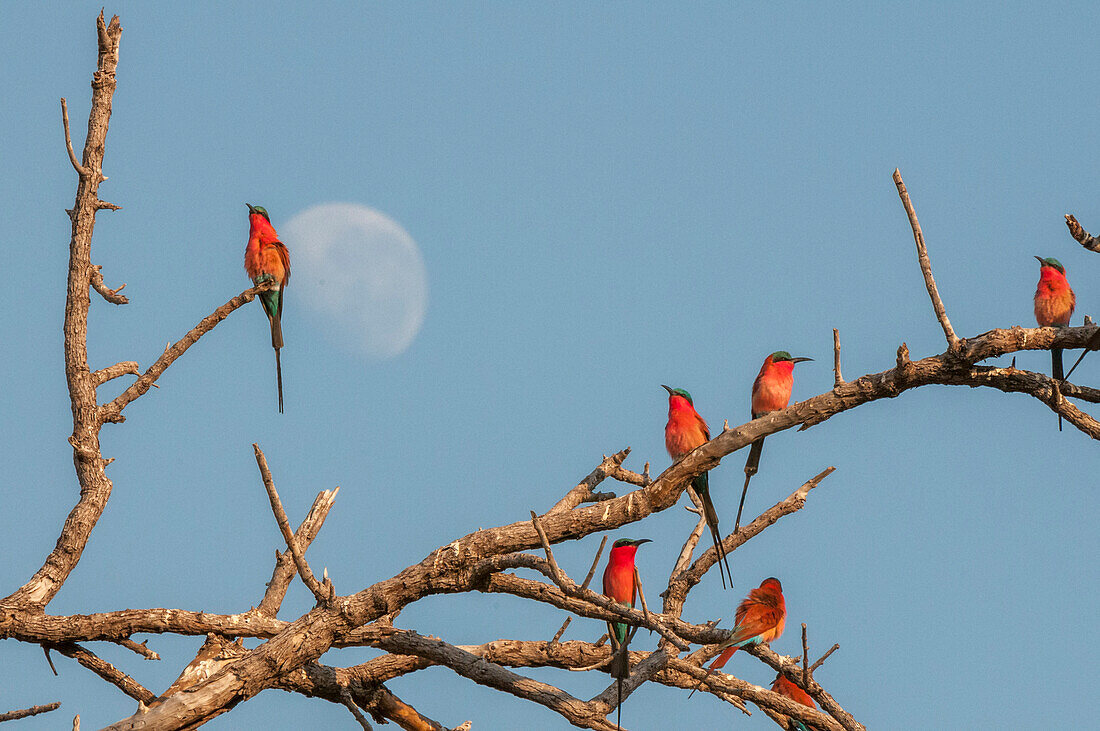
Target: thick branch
column 95, row 488
column 925, row 263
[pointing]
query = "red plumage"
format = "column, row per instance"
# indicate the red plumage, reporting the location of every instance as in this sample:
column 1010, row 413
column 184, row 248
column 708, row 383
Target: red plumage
column 760, row 617
column 786, row 688
column 771, row 391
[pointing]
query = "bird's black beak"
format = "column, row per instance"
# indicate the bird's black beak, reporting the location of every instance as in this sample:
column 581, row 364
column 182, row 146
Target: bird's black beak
column 250, row 208
column 667, row 389
column 1041, row 262
column 640, row 541
column 800, row 360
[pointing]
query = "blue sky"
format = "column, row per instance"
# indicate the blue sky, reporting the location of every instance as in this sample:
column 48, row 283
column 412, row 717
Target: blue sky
column 605, row 199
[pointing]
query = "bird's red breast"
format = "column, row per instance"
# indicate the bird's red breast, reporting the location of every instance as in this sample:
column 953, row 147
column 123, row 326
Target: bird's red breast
column 1054, row 298
column 771, row 391
column 685, row 429
column 618, row 577
column 265, row 254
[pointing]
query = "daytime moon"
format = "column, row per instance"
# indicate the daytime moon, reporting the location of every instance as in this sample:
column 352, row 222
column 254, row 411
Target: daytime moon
column 363, row 272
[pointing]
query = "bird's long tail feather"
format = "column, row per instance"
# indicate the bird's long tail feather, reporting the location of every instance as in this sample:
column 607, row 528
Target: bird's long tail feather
column 719, row 662
column 1057, row 372
column 1092, row 344
column 711, row 517
column 619, row 706
column 752, row 465
column 620, row 669
column 279, row 378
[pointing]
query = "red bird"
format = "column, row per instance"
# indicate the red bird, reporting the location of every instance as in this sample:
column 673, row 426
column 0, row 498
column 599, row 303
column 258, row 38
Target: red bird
column 1054, row 303
column 685, row 431
column 771, row 391
column 265, row 259
column 759, row 618
column 621, row 583
column 784, row 687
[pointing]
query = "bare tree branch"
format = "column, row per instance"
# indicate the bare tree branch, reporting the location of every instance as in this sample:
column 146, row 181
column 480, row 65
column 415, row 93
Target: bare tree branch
column 322, row 593
column 117, row 370
column 80, row 171
column 112, row 412
column 96, row 276
column 925, row 263
column 95, row 488
column 32, row 711
column 1082, row 236
column 285, row 566
column 838, row 379
column 105, row 670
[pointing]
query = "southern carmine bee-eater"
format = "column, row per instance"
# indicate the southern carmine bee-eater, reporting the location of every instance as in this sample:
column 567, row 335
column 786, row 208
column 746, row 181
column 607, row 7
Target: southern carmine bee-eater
column 1054, row 303
column 685, row 431
column 784, row 687
column 759, row 618
column 621, row 583
column 265, row 259
column 771, row 391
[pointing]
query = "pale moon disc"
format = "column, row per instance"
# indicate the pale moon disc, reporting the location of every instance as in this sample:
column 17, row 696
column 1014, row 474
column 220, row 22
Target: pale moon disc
column 362, row 270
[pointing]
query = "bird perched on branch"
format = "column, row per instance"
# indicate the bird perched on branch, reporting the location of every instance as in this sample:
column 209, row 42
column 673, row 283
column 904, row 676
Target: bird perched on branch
column 784, row 687
column 1054, row 303
column 759, row 618
column 771, row 391
column 685, row 431
column 266, row 259
column 621, row 583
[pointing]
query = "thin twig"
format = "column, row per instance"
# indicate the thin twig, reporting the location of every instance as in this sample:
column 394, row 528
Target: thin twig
column 95, row 276
column 32, row 711
column 821, row 660
column 69, row 140
column 838, row 379
column 555, row 571
column 584, row 585
column 805, row 658
column 285, row 568
column 346, row 699
column 138, row 647
column 585, row 489
column 113, row 411
column 925, row 263
column 308, row 579
column 693, row 538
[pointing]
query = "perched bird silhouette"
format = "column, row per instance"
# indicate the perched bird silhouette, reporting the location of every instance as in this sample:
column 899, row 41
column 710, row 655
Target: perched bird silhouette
column 771, row 391
column 265, row 259
column 685, row 431
column 621, row 583
column 1054, row 303
column 784, row 687
column 759, row 618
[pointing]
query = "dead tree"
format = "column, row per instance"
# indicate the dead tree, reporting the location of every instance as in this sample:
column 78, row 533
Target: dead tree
column 225, row 673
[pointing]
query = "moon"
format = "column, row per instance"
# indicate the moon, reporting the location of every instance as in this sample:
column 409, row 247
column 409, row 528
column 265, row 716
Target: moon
column 361, row 270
